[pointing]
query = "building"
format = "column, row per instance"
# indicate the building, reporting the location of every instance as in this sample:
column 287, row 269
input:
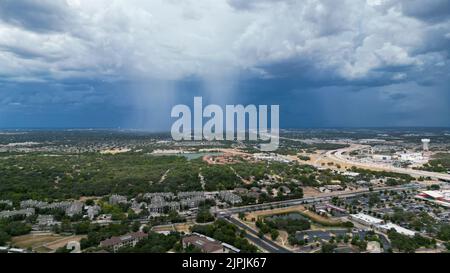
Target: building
column 230, row 197
column 441, row 197
column 366, row 219
column 64, row 205
column 165, row 195
column 137, row 207
column 10, row 213
column 93, row 211
column 363, row 183
column 207, row 244
column 74, row 209
column 160, row 205
column 6, row 202
column 351, row 174
column 412, row 157
column 117, row 199
column 331, row 207
column 46, row 221
column 382, row 157
column 331, row 188
column 127, row 240
column 389, row 226
column 32, row 204
column 192, row 202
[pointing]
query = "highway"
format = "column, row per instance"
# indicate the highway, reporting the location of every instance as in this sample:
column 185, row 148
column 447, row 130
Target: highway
column 269, row 245
column 337, row 156
column 308, row 200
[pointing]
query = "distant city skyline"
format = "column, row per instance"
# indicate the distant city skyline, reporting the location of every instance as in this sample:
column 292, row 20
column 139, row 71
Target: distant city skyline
column 125, row 64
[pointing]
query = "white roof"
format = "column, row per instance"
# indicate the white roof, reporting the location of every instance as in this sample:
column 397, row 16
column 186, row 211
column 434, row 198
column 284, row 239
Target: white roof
column 350, row 173
column 367, row 218
column 233, row 248
column 434, row 194
column 398, row 228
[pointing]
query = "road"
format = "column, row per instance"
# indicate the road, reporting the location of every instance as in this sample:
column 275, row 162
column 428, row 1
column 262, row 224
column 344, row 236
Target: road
column 309, row 200
column 337, row 156
column 252, row 235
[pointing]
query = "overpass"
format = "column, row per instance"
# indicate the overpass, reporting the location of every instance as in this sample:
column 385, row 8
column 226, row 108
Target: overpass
column 337, row 156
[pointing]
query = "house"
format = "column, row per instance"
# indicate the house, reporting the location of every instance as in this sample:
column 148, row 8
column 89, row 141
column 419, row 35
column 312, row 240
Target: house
column 127, row 240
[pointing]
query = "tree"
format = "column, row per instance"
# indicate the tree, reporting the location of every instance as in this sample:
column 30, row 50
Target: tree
column 82, row 228
column 261, row 234
column 444, row 232
column 135, row 227
column 17, row 228
column 274, row 234
column 4, row 238
column 241, row 215
column 204, row 216
column 328, row 248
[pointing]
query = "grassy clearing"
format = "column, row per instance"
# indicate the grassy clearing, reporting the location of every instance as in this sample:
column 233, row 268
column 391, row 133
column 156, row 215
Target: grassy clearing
column 299, row 209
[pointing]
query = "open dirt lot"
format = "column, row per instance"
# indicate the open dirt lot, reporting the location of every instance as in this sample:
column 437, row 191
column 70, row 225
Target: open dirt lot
column 181, row 227
column 44, row 242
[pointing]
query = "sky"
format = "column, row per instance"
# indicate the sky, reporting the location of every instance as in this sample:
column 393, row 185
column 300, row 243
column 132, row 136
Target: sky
column 125, row 64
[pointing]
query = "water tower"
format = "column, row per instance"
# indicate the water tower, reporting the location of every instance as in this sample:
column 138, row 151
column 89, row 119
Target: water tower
column 425, row 143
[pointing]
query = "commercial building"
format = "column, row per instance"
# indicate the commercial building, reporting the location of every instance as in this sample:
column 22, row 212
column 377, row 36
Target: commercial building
column 389, row 226
column 441, row 197
column 366, row 219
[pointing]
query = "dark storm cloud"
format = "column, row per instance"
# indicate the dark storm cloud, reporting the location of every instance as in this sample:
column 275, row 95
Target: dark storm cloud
column 326, row 62
column 40, row 16
column 431, row 10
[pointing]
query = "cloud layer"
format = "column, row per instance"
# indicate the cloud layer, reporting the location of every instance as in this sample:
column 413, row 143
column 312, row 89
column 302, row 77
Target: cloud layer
column 315, row 42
